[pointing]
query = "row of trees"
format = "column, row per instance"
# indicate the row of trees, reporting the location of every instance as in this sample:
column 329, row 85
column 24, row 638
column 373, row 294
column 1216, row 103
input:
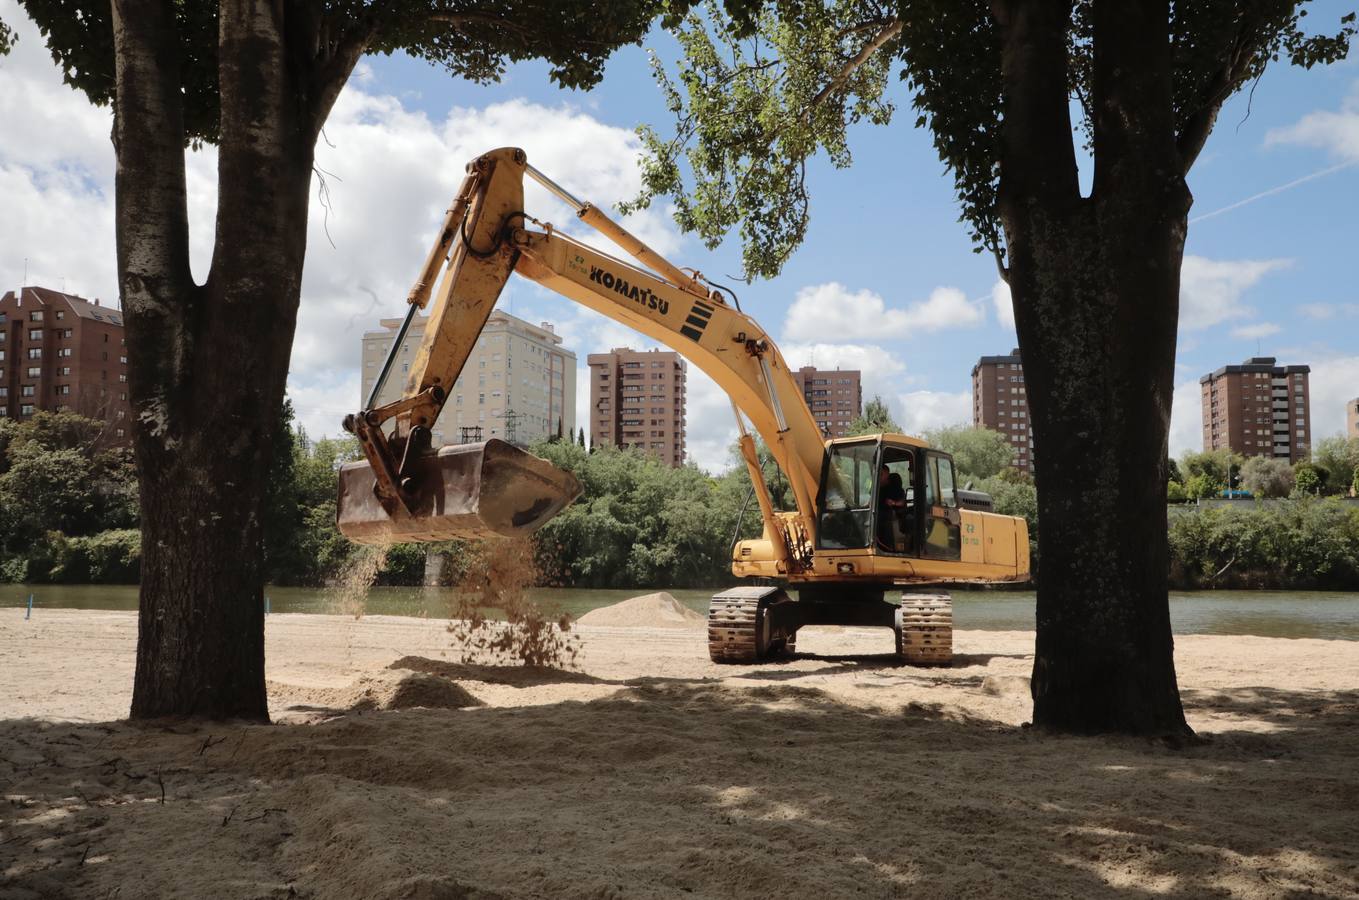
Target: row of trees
column 1332, row 471
column 68, row 513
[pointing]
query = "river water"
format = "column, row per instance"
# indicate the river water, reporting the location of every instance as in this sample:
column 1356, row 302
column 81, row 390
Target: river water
column 1293, row 614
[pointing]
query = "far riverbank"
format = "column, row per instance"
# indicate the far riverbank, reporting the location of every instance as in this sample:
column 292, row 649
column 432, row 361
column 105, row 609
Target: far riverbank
column 1287, row 614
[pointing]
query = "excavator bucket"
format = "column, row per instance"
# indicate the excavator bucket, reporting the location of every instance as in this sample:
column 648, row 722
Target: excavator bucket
column 462, row 491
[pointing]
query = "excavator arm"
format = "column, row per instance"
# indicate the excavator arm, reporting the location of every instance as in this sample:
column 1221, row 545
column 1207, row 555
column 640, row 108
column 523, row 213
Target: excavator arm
column 486, row 235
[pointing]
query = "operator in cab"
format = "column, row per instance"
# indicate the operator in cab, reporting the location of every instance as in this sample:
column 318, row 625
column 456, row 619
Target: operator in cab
column 891, row 501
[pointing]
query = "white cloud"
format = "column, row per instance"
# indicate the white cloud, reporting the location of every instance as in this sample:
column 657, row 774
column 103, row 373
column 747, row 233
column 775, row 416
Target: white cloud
column 919, row 411
column 1329, row 310
column 832, row 309
column 1335, row 132
column 884, row 372
column 1186, row 418
column 1005, row 308
column 1211, row 289
column 1332, row 381
column 1254, row 332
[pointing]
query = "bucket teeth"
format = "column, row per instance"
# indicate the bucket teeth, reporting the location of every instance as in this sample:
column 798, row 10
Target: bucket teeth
column 462, row 491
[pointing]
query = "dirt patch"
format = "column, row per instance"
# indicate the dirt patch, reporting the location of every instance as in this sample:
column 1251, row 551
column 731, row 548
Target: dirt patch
column 659, row 610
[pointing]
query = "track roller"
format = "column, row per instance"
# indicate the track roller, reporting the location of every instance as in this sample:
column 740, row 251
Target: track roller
column 741, row 626
column 924, row 627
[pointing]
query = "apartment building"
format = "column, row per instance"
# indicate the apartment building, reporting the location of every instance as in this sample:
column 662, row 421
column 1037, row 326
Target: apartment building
column 1258, row 408
column 1352, row 418
column 60, row 352
column 1000, row 403
column 637, row 399
column 835, row 397
column 518, row 385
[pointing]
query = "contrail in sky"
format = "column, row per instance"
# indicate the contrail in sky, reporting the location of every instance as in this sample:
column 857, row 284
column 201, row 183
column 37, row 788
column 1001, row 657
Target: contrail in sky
column 1275, row 190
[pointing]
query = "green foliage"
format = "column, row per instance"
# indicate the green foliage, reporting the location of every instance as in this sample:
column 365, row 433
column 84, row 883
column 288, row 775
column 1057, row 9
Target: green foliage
column 1307, row 480
column 1302, row 543
column 767, row 85
column 110, row 557
column 1339, row 456
column 1175, row 492
column 58, row 477
column 1214, row 464
column 474, row 40
column 1203, row 485
column 6, row 38
column 1266, row 477
column 875, row 419
column 639, row 522
column 978, row 453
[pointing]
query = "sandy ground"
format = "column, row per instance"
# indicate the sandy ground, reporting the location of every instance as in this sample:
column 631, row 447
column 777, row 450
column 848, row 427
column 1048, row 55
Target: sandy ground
column 395, row 772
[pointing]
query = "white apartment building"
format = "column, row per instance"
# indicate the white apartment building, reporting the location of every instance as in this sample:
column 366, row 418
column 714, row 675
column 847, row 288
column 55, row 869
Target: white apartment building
column 519, row 383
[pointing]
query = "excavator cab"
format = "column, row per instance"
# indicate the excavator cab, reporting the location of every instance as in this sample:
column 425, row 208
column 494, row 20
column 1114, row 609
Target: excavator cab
column 895, row 498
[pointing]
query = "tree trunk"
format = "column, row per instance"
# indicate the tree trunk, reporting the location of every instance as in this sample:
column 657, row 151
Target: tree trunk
column 209, row 364
column 1095, row 283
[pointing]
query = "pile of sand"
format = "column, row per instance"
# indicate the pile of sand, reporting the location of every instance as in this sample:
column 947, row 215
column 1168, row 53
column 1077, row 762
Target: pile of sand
column 659, row 610
column 392, row 689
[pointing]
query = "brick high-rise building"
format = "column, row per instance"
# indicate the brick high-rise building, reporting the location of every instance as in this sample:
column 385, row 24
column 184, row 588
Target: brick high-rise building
column 1000, row 402
column 518, row 384
column 637, row 398
column 835, row 397
column 1258, row 409
column 1352, row 418
column 59, row 352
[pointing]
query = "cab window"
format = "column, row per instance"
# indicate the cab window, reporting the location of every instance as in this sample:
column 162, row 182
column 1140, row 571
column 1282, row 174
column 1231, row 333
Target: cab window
column 847, row 496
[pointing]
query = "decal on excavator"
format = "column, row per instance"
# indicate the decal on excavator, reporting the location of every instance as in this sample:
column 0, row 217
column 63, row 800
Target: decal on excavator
column 644, row 296
column 696, row 321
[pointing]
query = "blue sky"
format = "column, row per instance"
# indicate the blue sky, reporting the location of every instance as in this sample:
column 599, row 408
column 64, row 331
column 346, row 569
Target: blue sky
column 887, row 279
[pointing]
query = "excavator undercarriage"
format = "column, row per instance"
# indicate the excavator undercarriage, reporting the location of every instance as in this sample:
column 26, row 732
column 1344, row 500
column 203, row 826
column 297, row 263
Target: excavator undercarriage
column 756, row 624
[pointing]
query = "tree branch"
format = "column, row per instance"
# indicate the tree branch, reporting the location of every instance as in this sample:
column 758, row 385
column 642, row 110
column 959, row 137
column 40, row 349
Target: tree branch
column 151, row 209
column 1038, row 157
column 1200, row 123
column 885, row 34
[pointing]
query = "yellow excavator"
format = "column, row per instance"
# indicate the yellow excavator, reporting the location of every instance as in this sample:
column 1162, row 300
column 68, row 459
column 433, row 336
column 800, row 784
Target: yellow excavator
column 873, row 513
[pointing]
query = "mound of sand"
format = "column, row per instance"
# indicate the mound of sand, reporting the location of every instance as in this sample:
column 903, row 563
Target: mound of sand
column 659, row 610
column 380, row 690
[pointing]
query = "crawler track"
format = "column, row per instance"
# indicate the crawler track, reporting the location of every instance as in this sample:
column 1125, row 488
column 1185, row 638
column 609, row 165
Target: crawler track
column 925, row 629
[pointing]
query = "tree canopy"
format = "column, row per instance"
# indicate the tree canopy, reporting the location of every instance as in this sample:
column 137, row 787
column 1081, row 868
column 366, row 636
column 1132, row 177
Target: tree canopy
column 473, row 40
column 765, row 85
column 875, row 419
column 977, row 452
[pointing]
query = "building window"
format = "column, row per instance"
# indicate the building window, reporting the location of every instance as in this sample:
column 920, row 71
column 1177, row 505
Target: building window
column 35, row 334
column 61, row 314
column 63, row 389
column 35, row 316
column 120, row 432
column 64, row 351
column 26, row 409
column 34, row 371
column 35, row 353
column 122, row 378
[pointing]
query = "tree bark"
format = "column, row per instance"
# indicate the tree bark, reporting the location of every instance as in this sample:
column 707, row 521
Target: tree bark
column 1095, row 283
column 210, row 363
